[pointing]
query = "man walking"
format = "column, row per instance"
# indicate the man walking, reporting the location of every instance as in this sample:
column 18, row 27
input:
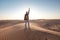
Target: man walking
column 26, row 19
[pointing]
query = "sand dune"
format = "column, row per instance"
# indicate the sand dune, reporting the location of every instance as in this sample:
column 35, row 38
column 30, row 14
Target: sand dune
column 17, row 32
column 36, row 27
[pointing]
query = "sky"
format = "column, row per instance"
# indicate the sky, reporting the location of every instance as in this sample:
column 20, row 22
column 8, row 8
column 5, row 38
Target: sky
column 39, row 9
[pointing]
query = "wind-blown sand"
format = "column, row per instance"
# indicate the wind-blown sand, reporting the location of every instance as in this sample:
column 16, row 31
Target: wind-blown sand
column 15, row 31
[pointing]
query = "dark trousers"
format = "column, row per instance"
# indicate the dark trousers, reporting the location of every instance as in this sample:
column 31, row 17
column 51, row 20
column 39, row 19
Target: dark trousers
column 27, row 24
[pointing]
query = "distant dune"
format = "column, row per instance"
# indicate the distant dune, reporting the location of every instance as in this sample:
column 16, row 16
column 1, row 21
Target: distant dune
column 52, row 24
column 42, row 29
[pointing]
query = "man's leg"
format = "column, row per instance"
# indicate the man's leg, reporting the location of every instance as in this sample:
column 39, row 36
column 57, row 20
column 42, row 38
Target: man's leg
column 28, row 24
column 25, row 24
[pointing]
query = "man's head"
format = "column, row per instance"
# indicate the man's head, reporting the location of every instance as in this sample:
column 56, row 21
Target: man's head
column 26, row 12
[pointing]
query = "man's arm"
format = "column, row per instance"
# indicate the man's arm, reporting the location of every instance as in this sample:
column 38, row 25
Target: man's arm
column 28, row 10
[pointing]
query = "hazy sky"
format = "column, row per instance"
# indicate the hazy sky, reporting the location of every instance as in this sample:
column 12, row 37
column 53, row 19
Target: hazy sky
column 39, row 9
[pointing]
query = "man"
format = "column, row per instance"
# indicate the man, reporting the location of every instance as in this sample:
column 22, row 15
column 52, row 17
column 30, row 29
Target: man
column 26, row 19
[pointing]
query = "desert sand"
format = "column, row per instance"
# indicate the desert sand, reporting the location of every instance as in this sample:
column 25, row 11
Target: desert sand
column 39, row 30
